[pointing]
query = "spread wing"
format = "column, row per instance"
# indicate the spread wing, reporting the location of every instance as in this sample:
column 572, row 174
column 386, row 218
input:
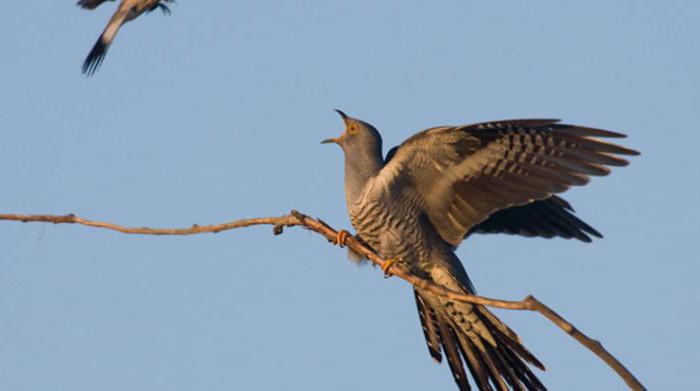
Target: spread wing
column 545, row 218
column 91, row 4
column 99, row 50
column 464, row 174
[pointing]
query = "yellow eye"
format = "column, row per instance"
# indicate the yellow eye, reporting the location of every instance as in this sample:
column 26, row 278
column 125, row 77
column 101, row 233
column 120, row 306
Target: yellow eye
column 352, row 128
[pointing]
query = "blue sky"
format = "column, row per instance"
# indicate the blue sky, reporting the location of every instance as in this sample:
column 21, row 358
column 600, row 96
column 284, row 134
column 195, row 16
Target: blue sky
column 216, row 112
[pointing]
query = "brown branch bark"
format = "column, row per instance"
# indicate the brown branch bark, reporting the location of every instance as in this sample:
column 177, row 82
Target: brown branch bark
column 298, row 219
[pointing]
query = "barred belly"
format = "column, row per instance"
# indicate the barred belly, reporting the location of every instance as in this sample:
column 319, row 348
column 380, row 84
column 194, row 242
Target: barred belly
column 403, row 239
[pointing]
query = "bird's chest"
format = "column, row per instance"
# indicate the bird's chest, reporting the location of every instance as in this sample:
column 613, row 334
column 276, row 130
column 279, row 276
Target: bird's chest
column 391, row 225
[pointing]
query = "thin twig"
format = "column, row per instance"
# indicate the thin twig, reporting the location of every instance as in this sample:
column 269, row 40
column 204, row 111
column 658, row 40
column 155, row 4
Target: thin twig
column 299, row 219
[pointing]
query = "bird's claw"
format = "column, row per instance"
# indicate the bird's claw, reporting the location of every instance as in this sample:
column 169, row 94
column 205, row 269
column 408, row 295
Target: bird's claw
column 341, row 237
column 386, row 267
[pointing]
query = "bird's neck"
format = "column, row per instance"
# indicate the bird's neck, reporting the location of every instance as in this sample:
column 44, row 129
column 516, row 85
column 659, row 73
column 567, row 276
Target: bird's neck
column 359, row 169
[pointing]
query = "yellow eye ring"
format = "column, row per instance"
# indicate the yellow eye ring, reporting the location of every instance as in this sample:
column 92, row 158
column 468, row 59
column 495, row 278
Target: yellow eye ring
column 352, row 129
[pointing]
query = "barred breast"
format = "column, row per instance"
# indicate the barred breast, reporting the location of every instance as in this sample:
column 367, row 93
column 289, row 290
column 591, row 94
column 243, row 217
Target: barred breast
column 391, row 225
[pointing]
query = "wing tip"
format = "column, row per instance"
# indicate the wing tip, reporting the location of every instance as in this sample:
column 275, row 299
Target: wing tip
column 633, row 152
column 95, row 57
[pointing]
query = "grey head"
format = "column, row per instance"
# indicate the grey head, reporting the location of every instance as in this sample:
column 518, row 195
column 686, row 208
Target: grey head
column 362, row 146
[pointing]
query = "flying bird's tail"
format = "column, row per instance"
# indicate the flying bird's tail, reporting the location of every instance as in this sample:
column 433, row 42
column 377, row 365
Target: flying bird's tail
column 99, row 50
column 471, row 335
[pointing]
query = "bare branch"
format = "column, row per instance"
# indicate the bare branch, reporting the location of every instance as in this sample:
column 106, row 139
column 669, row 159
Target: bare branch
column 281, row 221
column 299, row 219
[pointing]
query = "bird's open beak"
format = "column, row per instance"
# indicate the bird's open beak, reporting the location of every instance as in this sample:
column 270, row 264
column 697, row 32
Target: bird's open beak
column 336, row 140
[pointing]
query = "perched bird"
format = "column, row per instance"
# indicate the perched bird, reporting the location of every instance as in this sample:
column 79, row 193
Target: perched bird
column 416, row 205
column 128, row 10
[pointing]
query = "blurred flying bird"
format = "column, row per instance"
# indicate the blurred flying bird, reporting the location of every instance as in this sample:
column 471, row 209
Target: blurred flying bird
column 128, row 10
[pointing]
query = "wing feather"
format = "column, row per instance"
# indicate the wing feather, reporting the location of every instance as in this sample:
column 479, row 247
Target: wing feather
column 546, row 218
column 91, row 4
column 464, row 174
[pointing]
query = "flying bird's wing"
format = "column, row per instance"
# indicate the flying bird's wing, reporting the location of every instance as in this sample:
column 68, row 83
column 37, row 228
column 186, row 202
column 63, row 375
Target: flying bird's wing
column 99, row 50
column 464, row 174
column 91, row 4
column 544, row 218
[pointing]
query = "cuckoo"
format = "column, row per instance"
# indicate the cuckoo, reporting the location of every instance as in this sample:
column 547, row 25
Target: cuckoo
column 439, row 186
column 128, row 10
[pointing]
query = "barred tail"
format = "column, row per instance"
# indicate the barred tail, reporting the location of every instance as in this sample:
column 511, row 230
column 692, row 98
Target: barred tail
column 472, row 335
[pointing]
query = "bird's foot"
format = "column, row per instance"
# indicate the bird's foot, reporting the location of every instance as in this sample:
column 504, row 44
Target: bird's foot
column 341, row 237
column 386, row 267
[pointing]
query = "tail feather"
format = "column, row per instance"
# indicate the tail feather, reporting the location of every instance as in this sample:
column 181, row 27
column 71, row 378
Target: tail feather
column 472, row 336
column 475, row 363
column 505, row 335
column 505, row 370
column 523, row 373
column 493, row 322
column 495, row 373
column 450, row 345
column 429, row 322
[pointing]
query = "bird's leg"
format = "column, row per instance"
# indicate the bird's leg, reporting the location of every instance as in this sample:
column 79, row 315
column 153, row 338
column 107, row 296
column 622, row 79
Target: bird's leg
column 386, row 267
column 341, row 237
